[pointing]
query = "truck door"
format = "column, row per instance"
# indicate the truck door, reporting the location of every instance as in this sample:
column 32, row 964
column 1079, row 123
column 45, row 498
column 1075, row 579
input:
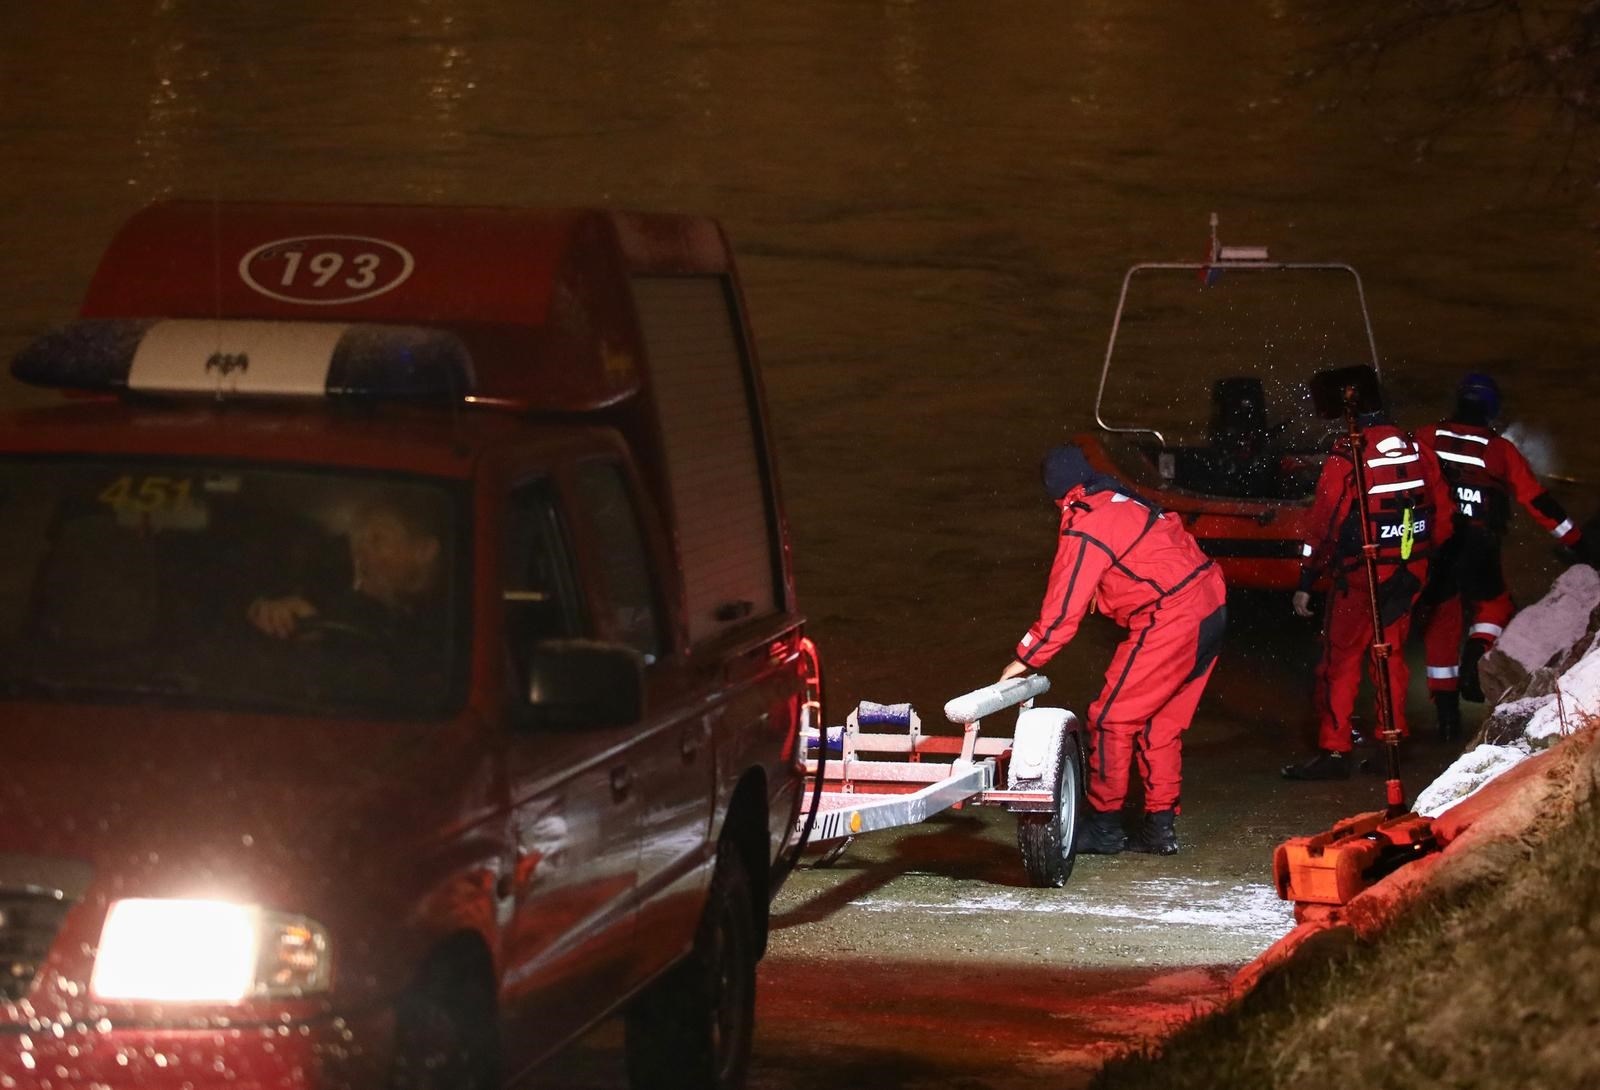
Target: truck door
column 673, row 759
column 568, row 949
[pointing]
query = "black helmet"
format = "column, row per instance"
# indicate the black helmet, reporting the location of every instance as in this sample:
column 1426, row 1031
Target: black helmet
column 1063, row 469
column 1481, row 390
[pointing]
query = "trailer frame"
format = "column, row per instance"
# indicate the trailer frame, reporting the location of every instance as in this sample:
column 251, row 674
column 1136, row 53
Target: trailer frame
column 1025, row 773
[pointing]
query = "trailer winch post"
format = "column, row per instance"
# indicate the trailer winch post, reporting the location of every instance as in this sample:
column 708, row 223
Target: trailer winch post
column 1381, row 649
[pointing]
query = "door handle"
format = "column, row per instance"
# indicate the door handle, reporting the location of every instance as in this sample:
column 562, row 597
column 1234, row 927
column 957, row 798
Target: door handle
column 694, row 736
column 621, row 782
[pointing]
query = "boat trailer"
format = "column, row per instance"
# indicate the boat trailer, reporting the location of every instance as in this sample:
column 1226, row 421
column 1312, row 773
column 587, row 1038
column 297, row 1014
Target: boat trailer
column 874, row 774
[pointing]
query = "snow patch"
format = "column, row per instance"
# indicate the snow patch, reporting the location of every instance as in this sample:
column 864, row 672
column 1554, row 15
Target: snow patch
column 1467, row 774
column 1526, row 706
column 1577, row 696
column 1253, row 910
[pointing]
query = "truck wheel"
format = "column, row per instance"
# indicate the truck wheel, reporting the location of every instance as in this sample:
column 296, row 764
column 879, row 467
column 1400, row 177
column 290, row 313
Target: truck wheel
column 692, row 1029
column 445, row 1035
column 1049, row 841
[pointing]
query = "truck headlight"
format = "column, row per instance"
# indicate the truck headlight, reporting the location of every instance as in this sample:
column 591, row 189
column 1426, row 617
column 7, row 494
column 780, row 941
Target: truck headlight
column 206, row 951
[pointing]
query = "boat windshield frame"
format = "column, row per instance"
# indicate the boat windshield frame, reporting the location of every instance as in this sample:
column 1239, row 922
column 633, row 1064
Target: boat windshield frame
column 1204, row 268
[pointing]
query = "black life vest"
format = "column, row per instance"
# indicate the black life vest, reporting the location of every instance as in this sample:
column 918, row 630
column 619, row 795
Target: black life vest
column 1467, row 457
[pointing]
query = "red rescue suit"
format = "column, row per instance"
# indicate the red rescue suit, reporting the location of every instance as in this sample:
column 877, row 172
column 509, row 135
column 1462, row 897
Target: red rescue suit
column 1485, row 472
column 1141, row 568
column 1407, row 510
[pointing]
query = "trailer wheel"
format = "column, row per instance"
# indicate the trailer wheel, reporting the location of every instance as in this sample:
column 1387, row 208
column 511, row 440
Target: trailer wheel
column 692, row 1029
column 1049, row 841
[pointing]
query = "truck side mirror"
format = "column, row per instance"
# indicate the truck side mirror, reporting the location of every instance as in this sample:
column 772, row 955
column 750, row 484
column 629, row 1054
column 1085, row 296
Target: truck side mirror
column 584, row 683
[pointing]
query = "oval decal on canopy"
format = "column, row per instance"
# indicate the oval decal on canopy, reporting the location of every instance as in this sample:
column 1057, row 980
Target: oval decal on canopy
column 324, row 270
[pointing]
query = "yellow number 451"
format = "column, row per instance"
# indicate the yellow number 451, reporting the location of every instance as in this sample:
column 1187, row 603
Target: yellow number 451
column 146, row 493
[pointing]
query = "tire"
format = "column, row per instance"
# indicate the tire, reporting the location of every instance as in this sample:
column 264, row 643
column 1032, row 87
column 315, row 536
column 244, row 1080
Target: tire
column 1049, row 841
column 445, row 1035
column 692, row 1029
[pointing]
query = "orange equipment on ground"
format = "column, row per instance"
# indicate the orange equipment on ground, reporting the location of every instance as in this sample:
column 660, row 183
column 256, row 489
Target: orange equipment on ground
column 1332, row 867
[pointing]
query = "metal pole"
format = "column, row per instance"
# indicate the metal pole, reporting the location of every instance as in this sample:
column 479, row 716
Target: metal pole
column 1381, row 650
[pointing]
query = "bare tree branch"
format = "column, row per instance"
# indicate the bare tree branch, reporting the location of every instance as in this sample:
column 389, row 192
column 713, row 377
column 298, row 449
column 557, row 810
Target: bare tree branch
column 1484, row 55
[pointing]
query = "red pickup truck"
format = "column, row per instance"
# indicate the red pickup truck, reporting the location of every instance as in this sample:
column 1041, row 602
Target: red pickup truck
column 400, row 668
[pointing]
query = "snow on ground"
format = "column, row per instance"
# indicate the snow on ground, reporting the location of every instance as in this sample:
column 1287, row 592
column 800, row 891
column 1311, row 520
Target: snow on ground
column 1470, row 771
column 1577, row 696
column 1250, row 910
column 1551, row 627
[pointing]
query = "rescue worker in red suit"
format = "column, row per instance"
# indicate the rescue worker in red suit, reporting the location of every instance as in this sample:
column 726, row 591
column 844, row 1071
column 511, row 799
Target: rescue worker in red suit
column 1407, row 509
column 1485, row 472
column 1137, row 565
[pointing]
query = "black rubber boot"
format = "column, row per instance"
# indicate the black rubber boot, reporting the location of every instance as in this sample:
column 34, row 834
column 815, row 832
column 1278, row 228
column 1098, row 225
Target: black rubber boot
column 1326, row 765
column 1158, row 835
column 1447, row 710
column 1471, row 688
column 1101, row 833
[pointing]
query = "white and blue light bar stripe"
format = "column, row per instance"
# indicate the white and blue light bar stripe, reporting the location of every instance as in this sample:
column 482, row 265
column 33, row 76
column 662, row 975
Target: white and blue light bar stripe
column 233, row 357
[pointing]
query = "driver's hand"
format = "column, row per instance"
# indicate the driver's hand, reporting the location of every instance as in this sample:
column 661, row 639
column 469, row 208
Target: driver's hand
column 1016, row 669
column 279, row 617
column 1302, row 603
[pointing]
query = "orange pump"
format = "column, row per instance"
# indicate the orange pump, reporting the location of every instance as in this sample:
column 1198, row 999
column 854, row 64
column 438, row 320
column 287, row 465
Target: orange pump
column 1332, row 867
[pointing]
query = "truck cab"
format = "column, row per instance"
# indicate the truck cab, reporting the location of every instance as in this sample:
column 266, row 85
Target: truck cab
column 401, row 664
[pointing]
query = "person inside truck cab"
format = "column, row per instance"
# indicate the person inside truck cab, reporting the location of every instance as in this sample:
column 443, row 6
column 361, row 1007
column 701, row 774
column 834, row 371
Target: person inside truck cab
column 388, row 597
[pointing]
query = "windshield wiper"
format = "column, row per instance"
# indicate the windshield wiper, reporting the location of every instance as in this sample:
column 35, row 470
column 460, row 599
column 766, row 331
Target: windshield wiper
column 181, row 685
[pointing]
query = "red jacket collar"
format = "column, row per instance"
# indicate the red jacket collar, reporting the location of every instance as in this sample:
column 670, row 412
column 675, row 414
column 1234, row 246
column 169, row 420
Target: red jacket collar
column 1078, row 493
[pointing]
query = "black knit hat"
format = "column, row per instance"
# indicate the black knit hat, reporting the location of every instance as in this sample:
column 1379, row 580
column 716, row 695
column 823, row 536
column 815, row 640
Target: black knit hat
column 1063, row 469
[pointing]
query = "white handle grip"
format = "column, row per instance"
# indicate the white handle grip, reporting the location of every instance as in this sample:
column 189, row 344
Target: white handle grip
column 970, row 707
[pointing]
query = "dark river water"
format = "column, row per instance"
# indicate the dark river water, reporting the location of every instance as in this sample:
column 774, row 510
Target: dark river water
column 933, row 203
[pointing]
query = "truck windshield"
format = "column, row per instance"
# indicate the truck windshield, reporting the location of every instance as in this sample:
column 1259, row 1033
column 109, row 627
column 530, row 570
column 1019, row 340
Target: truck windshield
column 214, row 585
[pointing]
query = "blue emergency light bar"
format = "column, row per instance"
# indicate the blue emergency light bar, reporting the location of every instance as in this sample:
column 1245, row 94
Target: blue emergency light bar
column 229, row 358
